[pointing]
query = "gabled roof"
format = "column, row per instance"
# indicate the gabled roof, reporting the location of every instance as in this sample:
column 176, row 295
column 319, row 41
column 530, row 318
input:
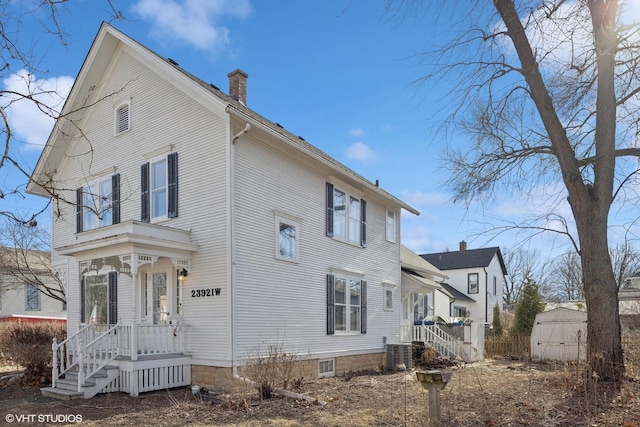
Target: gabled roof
column 107, row 43
column 470, row 258
column 456, row 294
column 411, row 261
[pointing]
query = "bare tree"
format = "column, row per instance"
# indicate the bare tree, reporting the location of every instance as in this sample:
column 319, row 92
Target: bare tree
column 626, row 263
column 19, row 60
column 543, row 86
column 566, row 282
column 521, row 263
column 25, row 259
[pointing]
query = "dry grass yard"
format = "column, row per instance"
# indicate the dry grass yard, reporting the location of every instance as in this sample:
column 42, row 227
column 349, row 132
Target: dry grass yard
column 491, row 393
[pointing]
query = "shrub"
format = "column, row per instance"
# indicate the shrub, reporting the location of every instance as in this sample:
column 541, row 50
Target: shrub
column 270, row 369
column 529, row 304
column 496, row 324
column 29, row 345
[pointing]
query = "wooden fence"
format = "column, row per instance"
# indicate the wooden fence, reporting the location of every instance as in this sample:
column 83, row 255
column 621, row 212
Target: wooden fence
column 517, row 346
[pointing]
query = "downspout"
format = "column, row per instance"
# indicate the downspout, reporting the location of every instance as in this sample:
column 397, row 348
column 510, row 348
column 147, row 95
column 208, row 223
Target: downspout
column 232, row 246
column 486, row 295
column 234, row 362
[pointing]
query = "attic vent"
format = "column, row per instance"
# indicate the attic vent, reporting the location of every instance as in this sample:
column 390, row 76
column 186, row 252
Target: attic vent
column 301, row 138
column 214, row 86
column 172, row 62
column 279, row 125
column 123, row 118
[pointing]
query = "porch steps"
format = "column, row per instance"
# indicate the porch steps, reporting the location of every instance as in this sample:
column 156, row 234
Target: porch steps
column 67, row 387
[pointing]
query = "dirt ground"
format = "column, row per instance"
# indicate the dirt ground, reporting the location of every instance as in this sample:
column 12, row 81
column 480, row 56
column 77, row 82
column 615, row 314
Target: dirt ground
column 490, row 393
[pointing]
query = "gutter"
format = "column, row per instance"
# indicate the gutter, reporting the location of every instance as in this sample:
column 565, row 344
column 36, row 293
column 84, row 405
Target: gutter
column 314, row 153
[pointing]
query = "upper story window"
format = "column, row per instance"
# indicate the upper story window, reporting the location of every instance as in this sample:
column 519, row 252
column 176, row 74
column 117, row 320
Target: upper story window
column 391, row 225
column 346, row 305
column 495, row 285
column 33, row 297
column 98, row 204
column 123, row 118
column 472, row 282
column 159, row 188
column 346, row 216
column 287, row 239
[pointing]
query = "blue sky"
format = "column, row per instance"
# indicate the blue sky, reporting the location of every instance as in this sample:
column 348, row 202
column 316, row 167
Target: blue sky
column 340, row 73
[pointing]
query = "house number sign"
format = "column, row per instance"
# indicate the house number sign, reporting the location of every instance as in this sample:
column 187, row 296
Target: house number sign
column 211, row 292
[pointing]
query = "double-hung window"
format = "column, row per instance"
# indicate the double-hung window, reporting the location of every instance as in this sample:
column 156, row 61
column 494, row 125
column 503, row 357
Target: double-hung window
column 472, row 279
column 391, row 225
column 346, row 216
column 346, row 305
column 159, row 188
column 287, row 239
column 98, row 204
column 98, row 298
column 33, row 297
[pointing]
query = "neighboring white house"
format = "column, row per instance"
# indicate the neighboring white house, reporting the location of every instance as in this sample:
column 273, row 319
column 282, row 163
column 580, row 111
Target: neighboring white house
column 263, row 239
column 478, row 276
column 20, row 297
column 559, row 334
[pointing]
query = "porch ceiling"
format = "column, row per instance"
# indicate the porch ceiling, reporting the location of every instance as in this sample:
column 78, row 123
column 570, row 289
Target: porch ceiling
column 130, row 236
column 414, row 283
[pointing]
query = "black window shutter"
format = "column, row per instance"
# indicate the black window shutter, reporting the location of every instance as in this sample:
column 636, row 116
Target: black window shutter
column 363, row 219
column 145, row 211
column 331, row 326
column 115, row 198
column 82, row 299
column 79, row 198
column 363, row 308
column 172, row 174
column 329, row 209
column 112, row 295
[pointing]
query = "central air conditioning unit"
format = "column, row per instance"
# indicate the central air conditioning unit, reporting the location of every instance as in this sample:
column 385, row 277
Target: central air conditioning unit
column 399, row 354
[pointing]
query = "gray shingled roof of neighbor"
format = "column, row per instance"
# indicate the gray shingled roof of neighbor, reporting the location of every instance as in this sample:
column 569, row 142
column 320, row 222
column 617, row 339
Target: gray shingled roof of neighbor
column 470, row 258
column 459, row 296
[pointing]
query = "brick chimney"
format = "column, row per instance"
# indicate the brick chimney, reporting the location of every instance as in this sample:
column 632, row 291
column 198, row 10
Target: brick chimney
column 238, row 86
column 463, row 246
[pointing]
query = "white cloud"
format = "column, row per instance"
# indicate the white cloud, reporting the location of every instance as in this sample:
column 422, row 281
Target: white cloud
column 195, row 22
column 356, row 132
column 361, row 152
column 28, row 123
column 421, row 200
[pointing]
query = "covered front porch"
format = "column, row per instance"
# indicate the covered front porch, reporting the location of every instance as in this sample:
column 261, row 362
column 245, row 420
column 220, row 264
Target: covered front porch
column 131, row 336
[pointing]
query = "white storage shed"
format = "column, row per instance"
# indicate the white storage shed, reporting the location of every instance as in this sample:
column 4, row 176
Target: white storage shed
column 559, row 334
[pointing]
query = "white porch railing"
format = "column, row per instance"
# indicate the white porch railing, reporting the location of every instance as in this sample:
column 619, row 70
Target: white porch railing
column 94, row 346
column 434, row 336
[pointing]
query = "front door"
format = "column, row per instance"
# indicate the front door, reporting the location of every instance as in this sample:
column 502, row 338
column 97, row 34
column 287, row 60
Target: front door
column 156, row 298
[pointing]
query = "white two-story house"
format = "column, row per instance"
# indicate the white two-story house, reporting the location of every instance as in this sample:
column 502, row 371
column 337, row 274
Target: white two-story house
column 475, row 280
column 195, row 232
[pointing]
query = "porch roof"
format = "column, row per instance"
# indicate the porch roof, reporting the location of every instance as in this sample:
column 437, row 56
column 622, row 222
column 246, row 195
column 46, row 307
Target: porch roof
column 130, row 236
column 412, row 282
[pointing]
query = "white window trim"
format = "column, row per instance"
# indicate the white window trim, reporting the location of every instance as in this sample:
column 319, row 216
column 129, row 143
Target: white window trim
column 387, row 287
column 95, row 213
column 116, row 114
column 330, row 373
column 348, row 195
column 347, row 304
column 393, row 238
column 151, row 161
column 280, row 218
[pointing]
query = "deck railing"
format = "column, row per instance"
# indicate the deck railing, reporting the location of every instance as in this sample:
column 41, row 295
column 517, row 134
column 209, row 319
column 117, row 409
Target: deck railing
column 92, row 347
column 434, row 336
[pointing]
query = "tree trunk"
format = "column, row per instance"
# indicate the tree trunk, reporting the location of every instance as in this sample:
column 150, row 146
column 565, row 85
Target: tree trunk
column 604, row 343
